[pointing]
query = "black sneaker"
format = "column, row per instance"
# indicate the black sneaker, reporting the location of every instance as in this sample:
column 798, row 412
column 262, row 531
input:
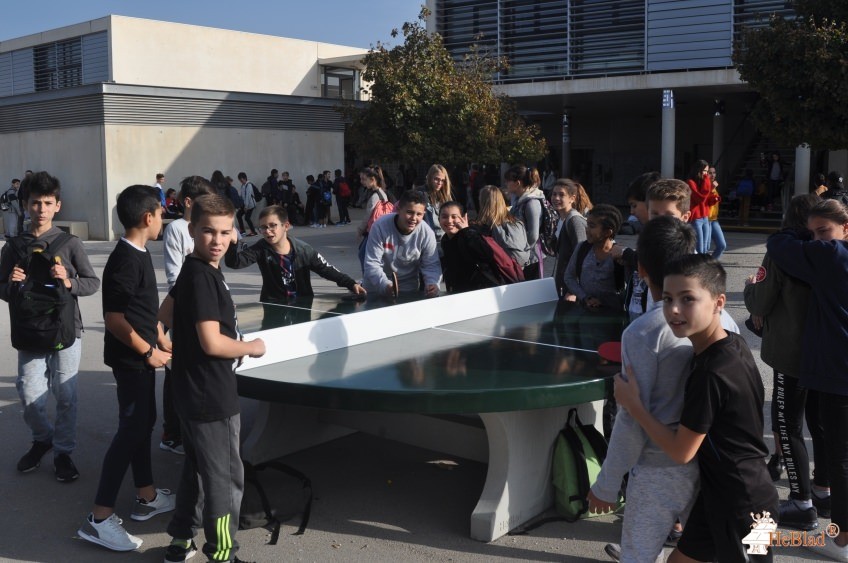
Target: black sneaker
column 177, row 553
column 776, row 467
column 673, row 537
column 175, row 446
column 793, row 516
column 66, row 471
column 32, row 459
column 822, row 505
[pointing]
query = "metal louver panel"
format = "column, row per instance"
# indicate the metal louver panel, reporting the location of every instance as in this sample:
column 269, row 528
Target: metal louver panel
column 95, row 58
column 689, row 34
column 143, row 110
column 5, row 74
column 138, row 105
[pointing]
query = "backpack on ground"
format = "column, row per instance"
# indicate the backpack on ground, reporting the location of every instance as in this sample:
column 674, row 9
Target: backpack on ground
column 618, row 269
column 579, row 452
column 382, row 207
column 42, row 310
column 266, row 506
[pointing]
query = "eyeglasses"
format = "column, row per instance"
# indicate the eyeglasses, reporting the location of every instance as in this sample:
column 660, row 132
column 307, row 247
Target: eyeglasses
column 268, row 227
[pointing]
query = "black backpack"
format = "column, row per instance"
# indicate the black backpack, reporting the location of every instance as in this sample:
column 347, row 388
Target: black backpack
column 257, row 195
column 42, row 310
column 264, row 506
column 547, row 226
column 6, row 200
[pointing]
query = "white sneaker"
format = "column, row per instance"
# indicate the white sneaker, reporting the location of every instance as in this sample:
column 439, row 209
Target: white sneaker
column 109, row 533
column 165, row 501
column 830, row 549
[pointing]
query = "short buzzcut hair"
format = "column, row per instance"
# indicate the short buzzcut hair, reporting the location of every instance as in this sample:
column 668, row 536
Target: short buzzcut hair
column 663, row 240
column 415, row 197
column 707, row 270
column 211, row 205
column 671, row 189
column 136, row 201
column 159, row 176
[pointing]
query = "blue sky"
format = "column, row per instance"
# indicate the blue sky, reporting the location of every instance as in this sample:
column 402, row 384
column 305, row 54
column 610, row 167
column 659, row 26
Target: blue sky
column 345, row 22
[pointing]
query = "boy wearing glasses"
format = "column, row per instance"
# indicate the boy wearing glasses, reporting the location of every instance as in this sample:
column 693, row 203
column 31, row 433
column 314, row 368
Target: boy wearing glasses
column 285, row 262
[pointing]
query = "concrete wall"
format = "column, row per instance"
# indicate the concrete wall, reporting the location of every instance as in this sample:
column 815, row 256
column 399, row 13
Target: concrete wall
column 155, row 53
column 136, row 153
column 75, row 156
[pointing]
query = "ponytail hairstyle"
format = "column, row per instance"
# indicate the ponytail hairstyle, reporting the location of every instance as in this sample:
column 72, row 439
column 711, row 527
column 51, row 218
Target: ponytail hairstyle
column 521, row 174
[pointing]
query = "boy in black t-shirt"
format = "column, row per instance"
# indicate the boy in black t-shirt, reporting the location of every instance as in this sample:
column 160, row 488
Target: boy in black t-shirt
column 202, row 317
column 134, row 346
column 721, row 422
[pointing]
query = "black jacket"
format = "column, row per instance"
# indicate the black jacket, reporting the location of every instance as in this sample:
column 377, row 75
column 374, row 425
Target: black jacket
column 306, row 260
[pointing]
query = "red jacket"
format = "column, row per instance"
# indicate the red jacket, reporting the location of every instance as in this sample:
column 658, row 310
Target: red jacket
column 698, row 205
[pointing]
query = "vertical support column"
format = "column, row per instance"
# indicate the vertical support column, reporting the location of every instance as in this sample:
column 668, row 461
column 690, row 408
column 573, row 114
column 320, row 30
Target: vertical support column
column 718, row 160
column 802, row 173
column 566, row 147
column 667, row 150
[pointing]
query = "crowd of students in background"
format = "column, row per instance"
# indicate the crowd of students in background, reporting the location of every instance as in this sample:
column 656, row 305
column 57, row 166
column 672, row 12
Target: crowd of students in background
column 692, row 399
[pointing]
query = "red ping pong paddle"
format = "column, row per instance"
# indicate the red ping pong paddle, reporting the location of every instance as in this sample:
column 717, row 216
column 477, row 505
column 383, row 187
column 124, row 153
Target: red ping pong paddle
column 610, row 351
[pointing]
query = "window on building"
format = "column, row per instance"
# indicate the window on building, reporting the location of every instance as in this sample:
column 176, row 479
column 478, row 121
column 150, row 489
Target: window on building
column 340, row 83
column 58, row 65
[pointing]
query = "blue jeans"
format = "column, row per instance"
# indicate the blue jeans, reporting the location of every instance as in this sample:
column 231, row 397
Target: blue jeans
column 702, row 234
column 56, row 371
column 717, row 237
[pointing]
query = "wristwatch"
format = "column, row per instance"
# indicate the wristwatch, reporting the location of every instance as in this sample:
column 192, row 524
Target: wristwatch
column 148, row 354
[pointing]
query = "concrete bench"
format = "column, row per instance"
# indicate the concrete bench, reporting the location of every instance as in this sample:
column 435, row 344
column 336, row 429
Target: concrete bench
column 76, row 228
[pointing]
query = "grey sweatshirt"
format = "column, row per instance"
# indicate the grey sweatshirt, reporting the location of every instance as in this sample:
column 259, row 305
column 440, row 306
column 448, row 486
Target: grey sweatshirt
column 530, row 213
column 513, row 238
column 660, row 363
column 387, row 250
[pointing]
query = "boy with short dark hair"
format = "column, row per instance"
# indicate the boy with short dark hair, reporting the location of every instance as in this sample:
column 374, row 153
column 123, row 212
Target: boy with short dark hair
column 721, row 421
column 200, row 311
column 659, row 491
column 177, row 244
column 669, row 197
column 401, row 244
column 56, row 370
column 134, row 346
column 636, row 295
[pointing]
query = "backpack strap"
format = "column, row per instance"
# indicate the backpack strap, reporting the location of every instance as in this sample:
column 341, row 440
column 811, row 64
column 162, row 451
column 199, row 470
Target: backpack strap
column 307, row 485
column 250, row 477
column 582, row 253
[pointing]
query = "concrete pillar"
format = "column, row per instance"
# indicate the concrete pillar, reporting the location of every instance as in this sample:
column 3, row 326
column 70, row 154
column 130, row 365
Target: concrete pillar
column 667, row 150
column 719, row 159
column 565, row 164
column 802, row 172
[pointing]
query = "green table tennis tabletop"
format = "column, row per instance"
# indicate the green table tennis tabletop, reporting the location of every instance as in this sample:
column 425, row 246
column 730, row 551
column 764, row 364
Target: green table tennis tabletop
column 533, row 357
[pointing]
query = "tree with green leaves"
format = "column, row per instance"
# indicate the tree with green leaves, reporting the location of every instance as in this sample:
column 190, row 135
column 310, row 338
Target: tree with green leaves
column 424, row 107
column 800, row 70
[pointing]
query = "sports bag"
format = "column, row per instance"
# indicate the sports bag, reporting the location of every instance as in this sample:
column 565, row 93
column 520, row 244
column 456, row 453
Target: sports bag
column 382, row 207
column 268, row 506
column 42, row 310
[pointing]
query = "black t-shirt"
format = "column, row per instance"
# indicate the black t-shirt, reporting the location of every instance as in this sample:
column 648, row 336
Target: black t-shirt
column 205, row 385
column 724, row 400
column 129, row 287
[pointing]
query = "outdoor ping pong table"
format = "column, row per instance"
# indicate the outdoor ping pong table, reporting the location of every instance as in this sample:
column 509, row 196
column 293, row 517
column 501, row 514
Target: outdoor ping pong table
column 422, row 372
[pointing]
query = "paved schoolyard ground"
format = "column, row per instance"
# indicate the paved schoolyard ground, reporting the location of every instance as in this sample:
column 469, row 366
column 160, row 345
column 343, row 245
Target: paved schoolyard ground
column 375, row 500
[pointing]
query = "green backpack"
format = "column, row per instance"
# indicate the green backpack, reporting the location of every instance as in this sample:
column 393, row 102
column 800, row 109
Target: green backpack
column 579, row 453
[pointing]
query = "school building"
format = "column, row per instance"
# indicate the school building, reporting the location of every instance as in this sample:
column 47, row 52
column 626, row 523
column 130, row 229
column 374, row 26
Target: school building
column 110, row 102
column 620, row 87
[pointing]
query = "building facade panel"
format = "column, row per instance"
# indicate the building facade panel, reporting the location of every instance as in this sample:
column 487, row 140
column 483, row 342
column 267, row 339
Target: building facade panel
column 95, row 58
column 693, row 33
